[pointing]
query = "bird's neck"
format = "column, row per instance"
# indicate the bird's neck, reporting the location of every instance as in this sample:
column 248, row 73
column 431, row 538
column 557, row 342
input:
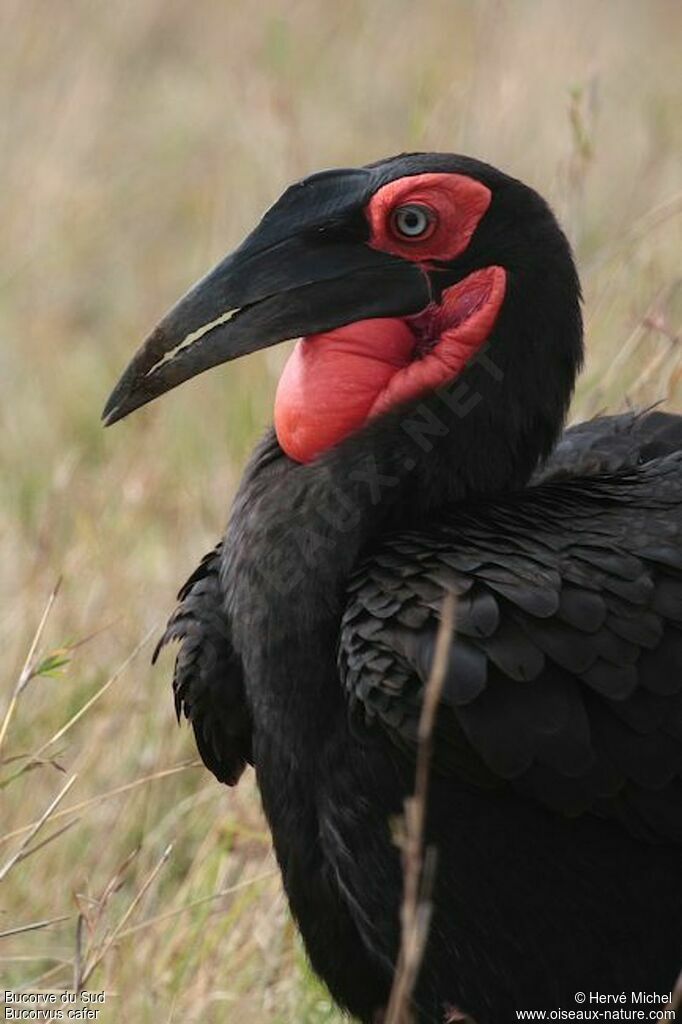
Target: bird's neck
column 298, row 531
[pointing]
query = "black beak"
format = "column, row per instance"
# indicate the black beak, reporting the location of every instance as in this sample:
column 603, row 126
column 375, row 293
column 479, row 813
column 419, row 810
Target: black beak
column 300, row 272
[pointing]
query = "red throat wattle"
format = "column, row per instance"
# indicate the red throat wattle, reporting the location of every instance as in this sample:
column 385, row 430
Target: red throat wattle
column 334, row 382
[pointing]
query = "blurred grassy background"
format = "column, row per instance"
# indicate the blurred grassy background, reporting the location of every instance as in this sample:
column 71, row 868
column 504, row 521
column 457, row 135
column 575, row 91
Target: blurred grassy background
column 139, row 141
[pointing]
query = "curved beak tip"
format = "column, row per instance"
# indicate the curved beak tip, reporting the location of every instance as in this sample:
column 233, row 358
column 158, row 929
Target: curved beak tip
column 111, row 411
column 110, row 415
column 130, row 391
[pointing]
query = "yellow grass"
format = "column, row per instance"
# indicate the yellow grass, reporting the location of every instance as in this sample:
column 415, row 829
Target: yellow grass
column 139, row 140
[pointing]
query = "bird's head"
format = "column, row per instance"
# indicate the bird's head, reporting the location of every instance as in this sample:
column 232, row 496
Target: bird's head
column 395, row 276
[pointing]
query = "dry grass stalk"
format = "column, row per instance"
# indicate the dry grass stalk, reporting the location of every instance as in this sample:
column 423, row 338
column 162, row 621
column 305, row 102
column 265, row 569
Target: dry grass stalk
column 17, row 856
column 29, row 666
column 419, row 864
column 34, row 926
column 98, row 955
column 48, row 839
column 94, row 801
column 97, row 695
column 229, row 891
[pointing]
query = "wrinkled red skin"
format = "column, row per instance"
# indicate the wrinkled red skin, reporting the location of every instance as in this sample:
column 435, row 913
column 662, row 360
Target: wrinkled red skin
column 334, row 382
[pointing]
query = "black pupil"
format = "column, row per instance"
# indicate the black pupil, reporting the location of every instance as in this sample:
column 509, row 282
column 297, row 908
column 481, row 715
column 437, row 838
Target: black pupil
column 412, row 219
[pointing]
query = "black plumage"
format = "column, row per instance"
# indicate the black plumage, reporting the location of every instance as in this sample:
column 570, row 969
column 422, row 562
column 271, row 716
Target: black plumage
column 208, row 683
column 308, row 635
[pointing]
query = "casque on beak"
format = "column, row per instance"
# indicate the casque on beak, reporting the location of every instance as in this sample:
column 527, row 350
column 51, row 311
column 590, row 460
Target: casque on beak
column 302, row 271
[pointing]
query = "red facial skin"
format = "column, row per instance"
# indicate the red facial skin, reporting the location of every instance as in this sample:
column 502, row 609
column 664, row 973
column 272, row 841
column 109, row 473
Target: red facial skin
column 458, row 203
column 334, row 382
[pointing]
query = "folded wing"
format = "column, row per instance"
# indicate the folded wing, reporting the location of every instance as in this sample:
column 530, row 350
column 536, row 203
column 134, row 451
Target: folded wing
column 565, row 673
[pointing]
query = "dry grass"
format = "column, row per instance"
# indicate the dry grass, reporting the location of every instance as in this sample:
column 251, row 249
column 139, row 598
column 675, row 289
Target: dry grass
column 138, row 141
column 419, row 861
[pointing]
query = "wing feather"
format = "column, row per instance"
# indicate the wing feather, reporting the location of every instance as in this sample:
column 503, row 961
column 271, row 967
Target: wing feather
column 565, row 675
column 208, row 684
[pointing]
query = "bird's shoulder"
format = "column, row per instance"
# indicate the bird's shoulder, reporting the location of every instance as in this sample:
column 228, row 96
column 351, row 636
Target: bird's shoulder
column 611, row 444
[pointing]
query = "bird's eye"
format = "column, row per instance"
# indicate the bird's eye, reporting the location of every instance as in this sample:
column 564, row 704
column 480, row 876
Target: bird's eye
column 412, row 221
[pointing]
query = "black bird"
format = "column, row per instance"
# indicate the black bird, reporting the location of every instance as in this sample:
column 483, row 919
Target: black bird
column 415, row 452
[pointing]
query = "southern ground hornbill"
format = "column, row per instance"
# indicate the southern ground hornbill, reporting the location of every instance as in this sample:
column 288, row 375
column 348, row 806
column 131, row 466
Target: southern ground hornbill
column 415, row 451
